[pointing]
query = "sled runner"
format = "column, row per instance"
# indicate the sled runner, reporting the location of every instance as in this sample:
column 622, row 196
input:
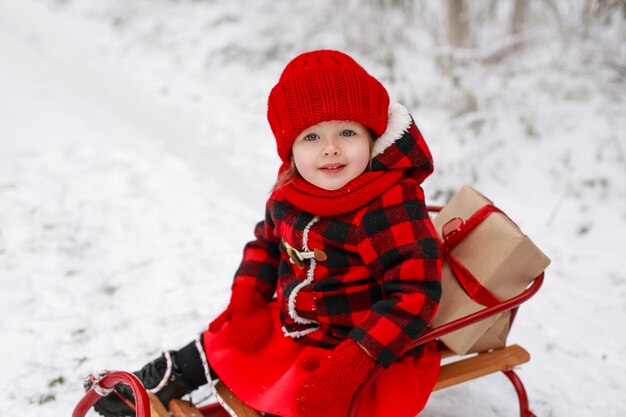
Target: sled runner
column 462, row 368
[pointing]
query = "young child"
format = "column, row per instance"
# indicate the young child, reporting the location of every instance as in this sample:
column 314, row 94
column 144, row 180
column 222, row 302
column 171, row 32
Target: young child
column 344, row 272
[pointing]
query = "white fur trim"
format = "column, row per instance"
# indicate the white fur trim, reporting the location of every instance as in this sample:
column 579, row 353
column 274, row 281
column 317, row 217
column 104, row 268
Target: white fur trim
column 291, row 303
column 299, row 333
column 398, row 122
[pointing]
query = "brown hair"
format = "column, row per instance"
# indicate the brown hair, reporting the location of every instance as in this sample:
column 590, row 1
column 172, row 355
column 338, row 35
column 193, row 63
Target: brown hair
column 286, row 177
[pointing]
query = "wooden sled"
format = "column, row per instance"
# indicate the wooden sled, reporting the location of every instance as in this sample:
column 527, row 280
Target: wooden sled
column 465, row 368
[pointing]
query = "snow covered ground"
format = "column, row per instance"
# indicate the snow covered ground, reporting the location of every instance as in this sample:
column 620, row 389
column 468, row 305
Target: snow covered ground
column 135, row 159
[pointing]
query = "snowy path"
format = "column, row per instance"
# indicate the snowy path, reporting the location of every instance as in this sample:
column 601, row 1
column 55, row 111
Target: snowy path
column 68, row 85
column 95, row 214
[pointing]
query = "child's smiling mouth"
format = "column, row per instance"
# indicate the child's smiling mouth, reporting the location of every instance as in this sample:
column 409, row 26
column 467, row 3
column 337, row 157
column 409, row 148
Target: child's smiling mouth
column 332, row 168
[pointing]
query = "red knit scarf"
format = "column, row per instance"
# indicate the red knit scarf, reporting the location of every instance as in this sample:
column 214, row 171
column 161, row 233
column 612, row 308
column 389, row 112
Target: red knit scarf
column 357, row 193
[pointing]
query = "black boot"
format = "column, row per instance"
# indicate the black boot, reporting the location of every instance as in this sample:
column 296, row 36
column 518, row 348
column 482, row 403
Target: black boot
column 174, row 385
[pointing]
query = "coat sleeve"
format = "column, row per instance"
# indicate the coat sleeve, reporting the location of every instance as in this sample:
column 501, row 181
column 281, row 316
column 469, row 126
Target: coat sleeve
column 399, row 245
column 261, row 256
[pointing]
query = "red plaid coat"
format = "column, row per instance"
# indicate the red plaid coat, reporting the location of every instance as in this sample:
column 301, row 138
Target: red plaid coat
column 380, row 284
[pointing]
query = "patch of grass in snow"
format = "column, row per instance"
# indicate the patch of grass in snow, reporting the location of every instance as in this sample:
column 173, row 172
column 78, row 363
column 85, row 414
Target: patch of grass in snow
column 46, row 398
column 50, row 397
column 60, row 380
column 110, row 289
column 79, row 332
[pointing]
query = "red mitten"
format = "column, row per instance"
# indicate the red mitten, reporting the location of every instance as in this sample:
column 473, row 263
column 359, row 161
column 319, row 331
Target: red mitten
column 329, row 388
column 250, row 319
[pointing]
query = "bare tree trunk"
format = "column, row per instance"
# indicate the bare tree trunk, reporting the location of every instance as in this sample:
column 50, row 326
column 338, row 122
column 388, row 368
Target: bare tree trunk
column 520, row 9
column 554, row 8
column 458, row 29
column 492, row 9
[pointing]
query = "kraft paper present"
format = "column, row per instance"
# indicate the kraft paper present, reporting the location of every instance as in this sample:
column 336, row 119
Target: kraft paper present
column 500, row 256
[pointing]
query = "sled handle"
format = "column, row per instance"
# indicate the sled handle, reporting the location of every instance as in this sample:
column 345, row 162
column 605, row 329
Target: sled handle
column 459, row 323
column 109, row 381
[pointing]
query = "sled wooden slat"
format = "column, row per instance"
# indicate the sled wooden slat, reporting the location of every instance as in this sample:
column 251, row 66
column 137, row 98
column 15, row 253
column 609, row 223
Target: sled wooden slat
column 182, row 408
column 156, row 407
column 238, row 406
column 480, row 365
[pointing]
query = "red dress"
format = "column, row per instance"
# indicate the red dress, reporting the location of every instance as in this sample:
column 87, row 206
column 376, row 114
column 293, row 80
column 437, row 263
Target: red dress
column 379, row 284
column 267, row 380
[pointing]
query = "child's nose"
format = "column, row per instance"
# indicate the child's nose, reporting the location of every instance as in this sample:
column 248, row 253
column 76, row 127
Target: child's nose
column 331, row 148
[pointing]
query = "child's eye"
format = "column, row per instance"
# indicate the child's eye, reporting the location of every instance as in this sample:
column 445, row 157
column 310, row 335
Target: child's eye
column 310, row 137
column 347, row 132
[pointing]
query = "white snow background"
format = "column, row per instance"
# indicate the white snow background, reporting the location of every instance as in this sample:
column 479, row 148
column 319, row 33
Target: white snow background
column 135, row 158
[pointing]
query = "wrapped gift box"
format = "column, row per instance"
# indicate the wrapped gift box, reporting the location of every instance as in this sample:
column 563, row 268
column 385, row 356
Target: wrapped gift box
column 500, row 257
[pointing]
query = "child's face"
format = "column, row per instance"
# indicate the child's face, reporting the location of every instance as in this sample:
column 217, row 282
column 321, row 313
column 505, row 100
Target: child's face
column 331, row 154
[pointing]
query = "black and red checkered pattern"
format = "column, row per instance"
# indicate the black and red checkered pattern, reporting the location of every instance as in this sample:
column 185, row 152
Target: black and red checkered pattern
column 381, row 282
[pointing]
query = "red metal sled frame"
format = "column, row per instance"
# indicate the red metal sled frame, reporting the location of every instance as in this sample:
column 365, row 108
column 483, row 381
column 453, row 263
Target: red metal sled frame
column 143, row 405
column 432, row 334
column 109, row 381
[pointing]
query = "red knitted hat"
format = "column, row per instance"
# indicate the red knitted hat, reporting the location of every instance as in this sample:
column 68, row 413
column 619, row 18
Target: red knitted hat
column 321, row 86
